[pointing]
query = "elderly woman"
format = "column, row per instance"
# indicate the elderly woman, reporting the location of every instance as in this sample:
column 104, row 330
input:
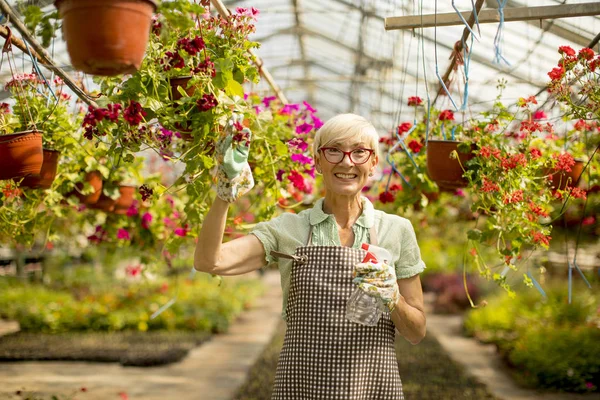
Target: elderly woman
column 325, row 355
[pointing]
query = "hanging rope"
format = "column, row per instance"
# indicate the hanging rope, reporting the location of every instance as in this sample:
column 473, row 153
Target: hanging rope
column 498, row 39
column 437, row 69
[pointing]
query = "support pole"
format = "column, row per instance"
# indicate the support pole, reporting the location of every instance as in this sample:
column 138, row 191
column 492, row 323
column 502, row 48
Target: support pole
column 492, row 16
column 459, row 48
column 224, row 12
column 40, row 52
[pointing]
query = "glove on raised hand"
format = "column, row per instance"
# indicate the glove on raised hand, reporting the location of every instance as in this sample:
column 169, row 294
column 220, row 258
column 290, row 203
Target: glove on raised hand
column 234, row 177
column 378, row 279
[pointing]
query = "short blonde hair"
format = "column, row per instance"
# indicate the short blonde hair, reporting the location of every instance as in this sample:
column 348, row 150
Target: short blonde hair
column 346, row 128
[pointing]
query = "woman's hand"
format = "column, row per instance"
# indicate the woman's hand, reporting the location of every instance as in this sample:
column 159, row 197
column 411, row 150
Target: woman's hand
column 234, row 177
column 378, row 279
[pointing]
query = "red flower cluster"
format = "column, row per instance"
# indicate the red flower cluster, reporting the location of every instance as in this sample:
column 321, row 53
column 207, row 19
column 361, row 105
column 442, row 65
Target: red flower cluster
column 134, row 113
column 404, row 127
column 207, row 67
column 514, row 197
column 415, row 146
column 564, row 162
column 489, row 186
column 386, row 197
column 297, row 180
column 96, row 115
column 542, row 239
column 146, row 192
column 566, row 51
column 172, row 60
column 446, row 115
column 557, row 73
column 537, row 210
column 191, row 46
column 513, row 161
column 487, row 151
column 415, row 101
column 207, row 102
column 535, row 153
column 578, row 193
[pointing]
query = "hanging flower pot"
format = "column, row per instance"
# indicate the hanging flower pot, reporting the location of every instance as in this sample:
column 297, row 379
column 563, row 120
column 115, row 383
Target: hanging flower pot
column 44, row 179
column 104, row 203
column 181, row 81
column 125, row 201
column 445, row 171
column 562, row 179
column 21, row 154
column 106, row 37
column 94, row 178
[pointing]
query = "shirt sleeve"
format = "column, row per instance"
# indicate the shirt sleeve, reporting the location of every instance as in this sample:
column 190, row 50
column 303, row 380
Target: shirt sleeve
column 410, row 262
column 266, row 232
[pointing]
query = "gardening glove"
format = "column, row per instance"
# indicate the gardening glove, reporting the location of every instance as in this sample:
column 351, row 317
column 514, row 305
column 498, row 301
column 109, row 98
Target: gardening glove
column 377, row 278
column 234, row 177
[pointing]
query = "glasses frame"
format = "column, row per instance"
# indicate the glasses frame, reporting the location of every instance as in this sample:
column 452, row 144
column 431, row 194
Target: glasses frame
column 346, row 153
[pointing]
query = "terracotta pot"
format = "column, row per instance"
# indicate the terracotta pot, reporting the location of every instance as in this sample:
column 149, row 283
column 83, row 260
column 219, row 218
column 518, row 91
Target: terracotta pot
column 125, row 201
column 562, row 179
column 94, row 178
column 446, row 172
column 21, row 154
column 106, row 37
column 181, row 81
column 44, row 179
column 104, row 203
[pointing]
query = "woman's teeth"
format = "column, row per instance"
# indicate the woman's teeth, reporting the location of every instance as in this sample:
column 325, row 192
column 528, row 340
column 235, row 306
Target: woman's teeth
column 346, row 176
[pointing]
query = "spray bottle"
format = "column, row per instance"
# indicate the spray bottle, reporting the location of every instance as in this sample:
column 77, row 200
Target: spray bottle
column 362, row 308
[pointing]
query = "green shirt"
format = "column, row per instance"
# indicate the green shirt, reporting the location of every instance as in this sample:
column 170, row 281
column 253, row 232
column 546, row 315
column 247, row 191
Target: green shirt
column 288, row 231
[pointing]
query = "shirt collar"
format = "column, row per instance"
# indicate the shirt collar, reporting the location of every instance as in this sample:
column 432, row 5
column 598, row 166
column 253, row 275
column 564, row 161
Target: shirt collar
column 366, row 219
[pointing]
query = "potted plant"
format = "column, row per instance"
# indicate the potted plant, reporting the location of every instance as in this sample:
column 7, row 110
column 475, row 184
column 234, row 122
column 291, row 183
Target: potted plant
column 21, row 151
column 44, row 106
column 106, row 37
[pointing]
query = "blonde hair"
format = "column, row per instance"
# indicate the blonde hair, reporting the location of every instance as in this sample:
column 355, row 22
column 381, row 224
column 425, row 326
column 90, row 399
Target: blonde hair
column 346, row 128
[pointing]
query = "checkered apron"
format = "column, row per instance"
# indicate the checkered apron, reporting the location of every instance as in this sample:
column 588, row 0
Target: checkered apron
column 324, row 355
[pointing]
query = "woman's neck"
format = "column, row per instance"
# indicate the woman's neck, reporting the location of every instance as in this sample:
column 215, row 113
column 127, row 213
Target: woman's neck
column 345, row 209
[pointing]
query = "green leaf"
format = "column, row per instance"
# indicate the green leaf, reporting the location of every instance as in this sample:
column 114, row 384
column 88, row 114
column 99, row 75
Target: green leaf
column 474, row 234
column 281, row 149
column 234, row 88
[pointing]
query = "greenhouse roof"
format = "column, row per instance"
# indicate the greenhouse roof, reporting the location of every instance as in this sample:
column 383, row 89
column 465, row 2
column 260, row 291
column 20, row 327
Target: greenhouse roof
column 337, row 55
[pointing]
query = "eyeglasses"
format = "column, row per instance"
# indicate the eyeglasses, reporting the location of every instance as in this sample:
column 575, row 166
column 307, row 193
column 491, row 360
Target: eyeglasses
column 335, row 155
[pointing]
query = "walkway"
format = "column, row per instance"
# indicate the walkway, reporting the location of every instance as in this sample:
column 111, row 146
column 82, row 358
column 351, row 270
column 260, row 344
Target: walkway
column 212, row 371
column 216, row 369
column 482, row 362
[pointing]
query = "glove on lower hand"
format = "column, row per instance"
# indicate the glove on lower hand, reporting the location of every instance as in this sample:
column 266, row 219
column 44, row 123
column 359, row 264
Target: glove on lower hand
column 234, row 177
column 378, row 279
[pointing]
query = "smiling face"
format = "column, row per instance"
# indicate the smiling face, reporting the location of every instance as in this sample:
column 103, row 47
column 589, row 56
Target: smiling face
column 345, row 178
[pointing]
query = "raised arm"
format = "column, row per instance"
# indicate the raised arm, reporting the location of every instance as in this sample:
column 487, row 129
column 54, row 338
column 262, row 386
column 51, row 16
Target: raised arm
column 236, row 257
column 234, row 178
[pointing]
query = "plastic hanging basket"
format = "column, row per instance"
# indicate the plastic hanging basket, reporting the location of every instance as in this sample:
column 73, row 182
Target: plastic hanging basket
column 106, row 37
column 124, row 201
column 44, row 179
column 21, row 154
column 445, row 171
column 94, row 178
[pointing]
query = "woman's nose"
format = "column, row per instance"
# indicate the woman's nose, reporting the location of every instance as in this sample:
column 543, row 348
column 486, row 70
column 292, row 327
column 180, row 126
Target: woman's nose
column 346, row 160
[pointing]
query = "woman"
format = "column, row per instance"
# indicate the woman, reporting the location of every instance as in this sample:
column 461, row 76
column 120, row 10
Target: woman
column 319, row 252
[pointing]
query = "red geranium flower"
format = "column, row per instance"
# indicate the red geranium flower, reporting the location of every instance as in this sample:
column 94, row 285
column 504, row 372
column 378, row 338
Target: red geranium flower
column 447, row 115
column 386, row 197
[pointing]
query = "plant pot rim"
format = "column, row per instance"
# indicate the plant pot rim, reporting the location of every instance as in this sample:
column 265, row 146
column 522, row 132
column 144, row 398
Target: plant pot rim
column 23, row 133
column 153, row 2
column 444, row 141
